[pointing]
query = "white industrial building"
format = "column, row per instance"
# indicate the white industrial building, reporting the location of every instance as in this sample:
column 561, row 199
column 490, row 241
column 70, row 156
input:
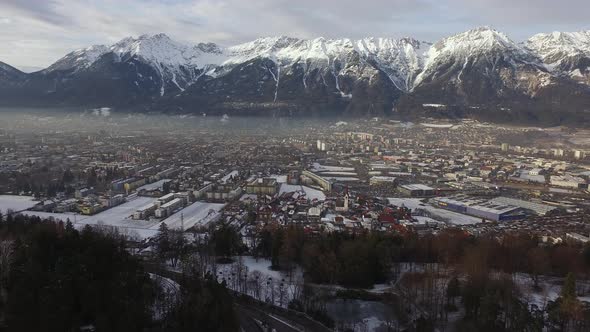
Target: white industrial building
column 569, row 181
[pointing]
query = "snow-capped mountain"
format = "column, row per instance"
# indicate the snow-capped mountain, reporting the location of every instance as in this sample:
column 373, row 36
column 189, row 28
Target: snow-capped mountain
column 564, row 53
column 479, row 66
column 478, row 69
column 78, row 59
column 181, row 65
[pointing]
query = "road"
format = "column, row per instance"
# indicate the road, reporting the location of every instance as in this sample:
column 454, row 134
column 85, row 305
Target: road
column 267, row 320
column 247, row 323
column 255, row 316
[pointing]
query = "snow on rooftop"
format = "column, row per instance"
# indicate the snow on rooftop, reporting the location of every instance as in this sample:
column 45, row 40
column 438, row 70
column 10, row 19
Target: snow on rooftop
column 196, row 214
column 450, row 216
column 316, row 167
column 310, row 193
column 155, row 185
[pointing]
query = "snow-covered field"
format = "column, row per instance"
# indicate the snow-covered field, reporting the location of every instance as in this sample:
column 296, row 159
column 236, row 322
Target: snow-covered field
column 198, row 213
column 118, row 216
column 309, row 192
column 16, row 203
column 450, row 216
column 261, row 265
column 279, row 178
column 263, row 283
column 549, row 289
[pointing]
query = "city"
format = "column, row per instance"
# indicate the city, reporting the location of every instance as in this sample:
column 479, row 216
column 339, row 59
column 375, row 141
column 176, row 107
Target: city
column 294, row 166
column 138, row 174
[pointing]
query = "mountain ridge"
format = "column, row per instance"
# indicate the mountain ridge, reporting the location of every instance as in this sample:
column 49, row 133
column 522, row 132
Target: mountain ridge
column 480, row 68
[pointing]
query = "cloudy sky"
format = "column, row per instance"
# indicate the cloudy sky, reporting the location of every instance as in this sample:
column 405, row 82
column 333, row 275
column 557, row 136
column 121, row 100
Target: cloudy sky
column 34, row 33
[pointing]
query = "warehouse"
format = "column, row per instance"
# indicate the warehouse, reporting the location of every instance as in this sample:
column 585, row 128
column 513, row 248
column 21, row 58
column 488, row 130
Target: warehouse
column 377, row 180
column 482, row 208
column 569, row 181
column 535, row 208
column 416, row 190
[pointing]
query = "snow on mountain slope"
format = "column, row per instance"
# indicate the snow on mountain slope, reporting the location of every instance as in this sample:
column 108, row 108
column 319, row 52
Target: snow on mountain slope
column 175, row 63
column 556, row 46
column 478, row 66
column 399, row 59
column 481, row 43
column 156, row 49
column 485, row 61
column 564, row 53
column 78, row 59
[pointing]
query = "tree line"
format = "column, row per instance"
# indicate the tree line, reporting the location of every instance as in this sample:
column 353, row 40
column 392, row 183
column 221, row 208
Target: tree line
column 54, row 277
column 441, row 272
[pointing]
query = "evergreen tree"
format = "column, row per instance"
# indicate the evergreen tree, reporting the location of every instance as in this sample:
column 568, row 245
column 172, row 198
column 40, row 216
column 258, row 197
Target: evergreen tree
column 163, row 241
column 453, row 290
column 568, row 291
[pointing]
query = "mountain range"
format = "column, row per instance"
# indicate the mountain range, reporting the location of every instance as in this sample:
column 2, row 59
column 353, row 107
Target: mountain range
column 479, row 73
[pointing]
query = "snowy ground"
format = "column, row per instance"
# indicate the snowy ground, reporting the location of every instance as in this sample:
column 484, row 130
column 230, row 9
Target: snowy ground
column 550, row 288
column 16, row 203
column 309, row 192
column 170, row 295
column 279, row 178
column 118, row 216
column 262, row 282
column 198, row 213
column 359, row 315
column 435, row 213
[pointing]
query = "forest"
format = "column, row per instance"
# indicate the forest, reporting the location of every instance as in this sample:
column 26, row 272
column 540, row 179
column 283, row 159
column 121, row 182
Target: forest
column 444, row 272
column 56, row 278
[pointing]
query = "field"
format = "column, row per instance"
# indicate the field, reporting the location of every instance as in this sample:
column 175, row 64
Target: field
column 16, row 203
column 120, row 216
